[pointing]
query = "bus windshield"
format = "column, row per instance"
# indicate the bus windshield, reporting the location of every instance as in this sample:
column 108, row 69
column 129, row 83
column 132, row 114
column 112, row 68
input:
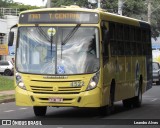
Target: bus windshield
column 57, row 50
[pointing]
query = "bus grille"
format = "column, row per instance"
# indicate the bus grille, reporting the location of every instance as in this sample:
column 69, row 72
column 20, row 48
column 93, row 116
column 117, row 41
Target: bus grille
column 58, row 90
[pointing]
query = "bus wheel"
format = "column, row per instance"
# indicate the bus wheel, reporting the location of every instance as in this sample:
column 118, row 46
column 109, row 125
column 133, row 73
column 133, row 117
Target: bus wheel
column 110, row 107
column 103, row 111
column 40, row 110
column 127, row 103
column 137, row 100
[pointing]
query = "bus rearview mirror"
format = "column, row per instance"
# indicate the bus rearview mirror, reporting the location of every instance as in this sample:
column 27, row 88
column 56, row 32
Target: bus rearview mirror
column 10, row 38
column 11, row 35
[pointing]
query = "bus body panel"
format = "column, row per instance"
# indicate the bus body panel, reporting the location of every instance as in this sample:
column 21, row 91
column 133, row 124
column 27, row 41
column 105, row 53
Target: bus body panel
column 87, row 99
column 41, row 89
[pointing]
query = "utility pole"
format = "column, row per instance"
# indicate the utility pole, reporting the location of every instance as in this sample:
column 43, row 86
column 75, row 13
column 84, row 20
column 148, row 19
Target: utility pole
column 48, row 3
column 149, row 11
column 99, row 3
column 120, row 6
column 1, row 41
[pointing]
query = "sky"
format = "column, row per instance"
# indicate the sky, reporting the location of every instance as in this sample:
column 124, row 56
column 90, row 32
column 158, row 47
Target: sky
column 32, row 2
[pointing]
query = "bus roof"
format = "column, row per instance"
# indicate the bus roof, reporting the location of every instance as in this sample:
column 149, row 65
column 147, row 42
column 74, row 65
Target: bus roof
column 106, row 16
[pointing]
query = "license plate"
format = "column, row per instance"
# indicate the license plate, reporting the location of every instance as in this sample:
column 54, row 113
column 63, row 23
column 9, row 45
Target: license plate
column 56, row 100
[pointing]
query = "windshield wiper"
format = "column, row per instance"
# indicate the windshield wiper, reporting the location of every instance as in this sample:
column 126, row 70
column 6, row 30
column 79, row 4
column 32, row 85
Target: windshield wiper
column 41, row 32
column 70, row 34
column 49, row 39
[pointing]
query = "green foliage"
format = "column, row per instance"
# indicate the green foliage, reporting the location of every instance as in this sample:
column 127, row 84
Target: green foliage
column 110, row 5
column 134, row 7
column 5, row 3
column 155, row 18
column 59, row 3
column 23, row 7
column 6, row 83
column 11, row 4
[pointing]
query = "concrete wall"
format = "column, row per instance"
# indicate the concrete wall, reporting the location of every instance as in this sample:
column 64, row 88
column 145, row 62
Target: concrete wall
column 3, row 26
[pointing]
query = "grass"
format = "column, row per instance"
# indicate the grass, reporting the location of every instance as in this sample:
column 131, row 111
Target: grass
column 6, row 83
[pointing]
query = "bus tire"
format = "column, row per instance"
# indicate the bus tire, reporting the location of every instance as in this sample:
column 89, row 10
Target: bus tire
column 127, row 103
column 110, row 106
column 103, row 111
column 40, row 110
column 137, row 100
column 108, row 109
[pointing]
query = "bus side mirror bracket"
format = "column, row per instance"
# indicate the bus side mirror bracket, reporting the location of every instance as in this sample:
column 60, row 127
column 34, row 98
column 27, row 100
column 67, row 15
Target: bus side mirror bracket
column 11, row 36
column 105, row 39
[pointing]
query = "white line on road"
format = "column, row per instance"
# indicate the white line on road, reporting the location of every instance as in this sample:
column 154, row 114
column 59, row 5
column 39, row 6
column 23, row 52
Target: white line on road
column 154, row 99
column 10, row 111
column 23, row 108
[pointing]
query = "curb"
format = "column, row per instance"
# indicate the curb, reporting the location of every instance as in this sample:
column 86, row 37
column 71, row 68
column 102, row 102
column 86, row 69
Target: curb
column 7, row 100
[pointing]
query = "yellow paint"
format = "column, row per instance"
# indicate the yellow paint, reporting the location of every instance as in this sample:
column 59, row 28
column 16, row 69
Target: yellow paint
column 122, row 69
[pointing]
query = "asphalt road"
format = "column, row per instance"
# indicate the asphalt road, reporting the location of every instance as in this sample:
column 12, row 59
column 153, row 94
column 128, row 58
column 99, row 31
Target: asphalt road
column 150, row 110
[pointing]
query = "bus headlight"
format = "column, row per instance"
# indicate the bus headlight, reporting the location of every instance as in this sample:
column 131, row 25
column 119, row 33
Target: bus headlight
column 93, row 82
column 19, row 82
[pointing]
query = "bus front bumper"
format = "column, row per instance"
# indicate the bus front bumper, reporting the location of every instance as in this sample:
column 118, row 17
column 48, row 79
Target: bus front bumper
column 90, row 98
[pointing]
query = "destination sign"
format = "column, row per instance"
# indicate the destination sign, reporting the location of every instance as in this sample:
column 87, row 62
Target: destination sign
column 58, row 17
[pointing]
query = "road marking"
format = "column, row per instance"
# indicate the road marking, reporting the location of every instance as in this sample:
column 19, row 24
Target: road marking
column 154, row 99
column 10, row 111
column 23, row 108
column 148, row 96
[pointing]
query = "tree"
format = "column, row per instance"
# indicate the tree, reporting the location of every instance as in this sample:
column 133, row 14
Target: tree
column 11, row 4
column 58, row 3
column 134, row 8
column 5, row 3
column 110, row 5
column 155, row 18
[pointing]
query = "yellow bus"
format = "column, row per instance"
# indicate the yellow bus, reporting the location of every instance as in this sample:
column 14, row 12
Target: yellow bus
column 76, row 57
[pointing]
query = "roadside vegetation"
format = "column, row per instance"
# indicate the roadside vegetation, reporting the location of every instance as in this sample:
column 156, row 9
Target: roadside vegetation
column 6, row 83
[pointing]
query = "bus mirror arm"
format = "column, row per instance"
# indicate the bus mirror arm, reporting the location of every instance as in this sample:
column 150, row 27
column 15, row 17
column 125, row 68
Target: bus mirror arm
column 106, row 36
column 11, row 35
column 14, row 26
column 103, row 50
column 105, row 39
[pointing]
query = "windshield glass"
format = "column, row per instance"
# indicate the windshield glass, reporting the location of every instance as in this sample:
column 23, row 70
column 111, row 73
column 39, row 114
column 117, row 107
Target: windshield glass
column 57, row 50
